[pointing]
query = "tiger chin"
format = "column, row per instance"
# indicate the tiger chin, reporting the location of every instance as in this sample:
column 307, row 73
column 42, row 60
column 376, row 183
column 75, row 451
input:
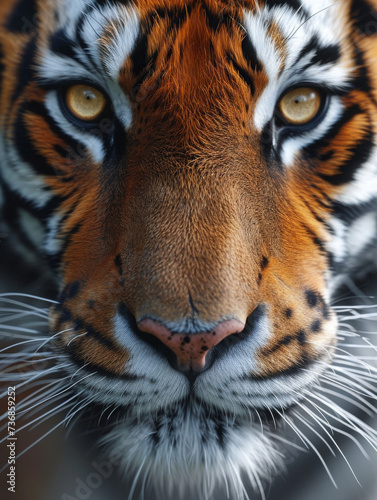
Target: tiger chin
column 198, row 176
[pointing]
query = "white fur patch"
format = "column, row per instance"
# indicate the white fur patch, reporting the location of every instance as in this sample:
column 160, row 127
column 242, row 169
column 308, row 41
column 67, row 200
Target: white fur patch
column 297, row 33
column 364, row 186
column 32, row 227
column 124, row 41
column 69, row 12
column 62, row 69
column 337, row 245
column 184, row 453
column 22, row 178
column 361, row 233
column 54, row 244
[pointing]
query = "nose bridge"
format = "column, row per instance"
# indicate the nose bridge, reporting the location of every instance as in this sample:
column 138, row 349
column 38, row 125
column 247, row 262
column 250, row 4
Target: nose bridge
column 185, row 248
column 185, row 244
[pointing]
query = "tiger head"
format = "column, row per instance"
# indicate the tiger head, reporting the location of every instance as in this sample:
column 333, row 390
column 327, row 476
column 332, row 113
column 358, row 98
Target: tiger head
column 187, row 162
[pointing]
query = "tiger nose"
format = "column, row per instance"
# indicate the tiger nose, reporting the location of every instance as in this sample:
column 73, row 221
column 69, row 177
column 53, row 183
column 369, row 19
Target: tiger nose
column 191, row 349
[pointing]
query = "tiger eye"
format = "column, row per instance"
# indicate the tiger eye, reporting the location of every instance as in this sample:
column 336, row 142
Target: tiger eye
column 85, row 103
column 300, row 105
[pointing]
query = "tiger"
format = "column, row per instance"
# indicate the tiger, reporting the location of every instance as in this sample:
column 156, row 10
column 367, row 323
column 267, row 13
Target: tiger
column 198, row 178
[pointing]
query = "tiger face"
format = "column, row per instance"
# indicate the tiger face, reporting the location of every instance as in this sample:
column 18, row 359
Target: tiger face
column 188, row 164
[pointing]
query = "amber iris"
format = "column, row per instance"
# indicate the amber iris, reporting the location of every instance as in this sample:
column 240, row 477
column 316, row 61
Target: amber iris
column 85, row 102
column 300, row 105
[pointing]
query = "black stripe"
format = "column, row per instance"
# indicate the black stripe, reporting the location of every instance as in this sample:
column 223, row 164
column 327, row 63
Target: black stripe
column 61, row 151
column 294, row 4
column 81, row 42
column 23, row 17
column 359, row 155
column 312, row 150
column 26, row 71
column 317, row 241
column 139, row 55
column 286, row 341
column 244, row 74
column 264, row 263
column 347, row 115
column 177, row 15
column 51, row 207
column 69, row 235
column 61, row 45
column 94, row 334
column 221, row 431
column 250, row 54
column 328, row 155
column 304, row 363
column 363, row 81
column 364, row 17
column 324, row 204
column 39, row 109
column 324, row 55
column 320, row 55
column 42, row 214
column 70, row 291
column 26, row 148
column 115, row 146
column 327, row 55
column 311, row 46
column 11, row 214
column 56, row 260
column 118, row 263
column 214, row 20
column 64, row 153
column 350, row 213
column 93, row 368
column 314, row 214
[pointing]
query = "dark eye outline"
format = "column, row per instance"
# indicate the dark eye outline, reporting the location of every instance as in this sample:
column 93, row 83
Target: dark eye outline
column 281, row 122
column 108, row 111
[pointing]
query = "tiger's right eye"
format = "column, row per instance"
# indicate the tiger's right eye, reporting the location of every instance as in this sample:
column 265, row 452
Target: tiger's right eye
column 85, row 103
column 300, row 105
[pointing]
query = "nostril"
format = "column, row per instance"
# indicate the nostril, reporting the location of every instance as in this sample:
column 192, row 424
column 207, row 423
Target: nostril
column 146, row 337
column 159, row 346
column 191, row 349
column 194, row 351
column 238, row 337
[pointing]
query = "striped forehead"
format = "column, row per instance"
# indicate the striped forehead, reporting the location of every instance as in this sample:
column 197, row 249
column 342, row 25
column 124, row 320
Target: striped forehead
column 295, row 41
column 111, row 26
column 280, row 31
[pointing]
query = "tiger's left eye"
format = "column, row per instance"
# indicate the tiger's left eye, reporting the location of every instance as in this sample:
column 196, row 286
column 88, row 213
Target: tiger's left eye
column 300, row 105
column 85, row 102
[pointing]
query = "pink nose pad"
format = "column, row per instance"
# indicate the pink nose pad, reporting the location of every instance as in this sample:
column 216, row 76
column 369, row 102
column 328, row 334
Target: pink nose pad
column 191, row 349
